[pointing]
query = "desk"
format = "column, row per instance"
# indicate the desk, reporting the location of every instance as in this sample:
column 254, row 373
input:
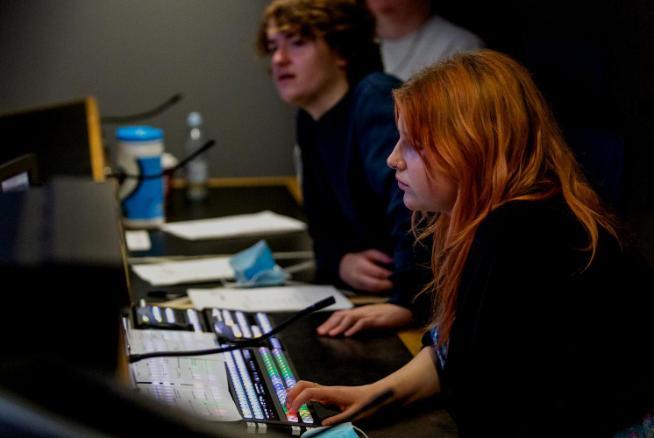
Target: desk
column 222, row 202
column 356, row 361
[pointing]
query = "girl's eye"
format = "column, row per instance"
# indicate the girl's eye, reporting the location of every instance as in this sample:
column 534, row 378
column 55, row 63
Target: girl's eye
column 415, row 146
column 408, row 146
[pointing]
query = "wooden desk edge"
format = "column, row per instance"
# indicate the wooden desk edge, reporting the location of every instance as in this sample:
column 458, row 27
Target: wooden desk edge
column 412, row 339
column 290, row 182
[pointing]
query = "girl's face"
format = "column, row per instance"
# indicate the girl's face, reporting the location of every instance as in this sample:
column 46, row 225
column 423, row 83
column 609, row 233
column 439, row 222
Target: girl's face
column 434, row 193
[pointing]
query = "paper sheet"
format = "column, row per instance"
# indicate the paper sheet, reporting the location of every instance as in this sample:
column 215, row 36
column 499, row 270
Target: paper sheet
column 197, row 384
column 137, row 240
column 186, row 271
column 265, row 222
column 207, row 402
column 267, row 299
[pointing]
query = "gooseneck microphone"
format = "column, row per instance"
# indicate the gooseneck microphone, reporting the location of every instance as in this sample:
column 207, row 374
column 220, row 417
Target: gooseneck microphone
column 237, row 344
column 144, row 115
column 122, row 176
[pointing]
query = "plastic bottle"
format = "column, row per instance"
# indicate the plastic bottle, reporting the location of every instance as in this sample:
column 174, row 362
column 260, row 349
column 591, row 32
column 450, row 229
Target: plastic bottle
column 197, row 170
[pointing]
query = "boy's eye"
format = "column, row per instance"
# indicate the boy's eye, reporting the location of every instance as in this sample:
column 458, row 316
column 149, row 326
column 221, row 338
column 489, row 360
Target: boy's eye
column 271, row 47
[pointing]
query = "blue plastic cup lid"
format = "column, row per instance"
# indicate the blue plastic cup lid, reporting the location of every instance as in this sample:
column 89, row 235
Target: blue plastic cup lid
column 139, row 133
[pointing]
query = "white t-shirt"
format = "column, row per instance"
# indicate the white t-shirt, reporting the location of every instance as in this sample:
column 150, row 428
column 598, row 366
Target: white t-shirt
column 436, row 40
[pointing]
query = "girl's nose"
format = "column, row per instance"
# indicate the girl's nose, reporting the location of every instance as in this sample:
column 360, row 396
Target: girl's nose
column 394, row 160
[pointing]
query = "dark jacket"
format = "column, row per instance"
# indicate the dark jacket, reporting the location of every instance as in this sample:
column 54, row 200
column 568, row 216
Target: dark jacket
column 351, row 198
column 540, row 345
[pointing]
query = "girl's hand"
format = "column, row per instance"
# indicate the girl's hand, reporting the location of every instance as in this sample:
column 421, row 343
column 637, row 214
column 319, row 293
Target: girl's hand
column 351, row 321
column 346, row 398
column 365, row 271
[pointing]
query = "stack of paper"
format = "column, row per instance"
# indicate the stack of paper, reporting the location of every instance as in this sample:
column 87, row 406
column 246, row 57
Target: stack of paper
column 267, row 299
column 186, row 271
column 265, row 222
column 137, row 240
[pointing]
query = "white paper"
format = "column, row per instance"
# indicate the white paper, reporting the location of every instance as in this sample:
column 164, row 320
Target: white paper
column 267, row 299
column 137, row 240
column 206, row 401
column 197, row 384
column 145, row 341
column 186, row 271
column 265, row 222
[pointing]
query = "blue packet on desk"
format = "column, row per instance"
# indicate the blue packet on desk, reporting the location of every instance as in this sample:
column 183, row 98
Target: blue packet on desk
column 343, row 430
column 256, row 266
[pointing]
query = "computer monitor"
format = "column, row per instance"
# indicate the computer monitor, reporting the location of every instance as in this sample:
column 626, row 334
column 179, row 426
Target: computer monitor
column 65, row 137
column 19, row 174
column 62, row 263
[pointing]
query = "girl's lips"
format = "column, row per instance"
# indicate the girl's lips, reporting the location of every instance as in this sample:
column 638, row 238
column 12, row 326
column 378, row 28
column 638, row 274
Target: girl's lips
column 402, row 185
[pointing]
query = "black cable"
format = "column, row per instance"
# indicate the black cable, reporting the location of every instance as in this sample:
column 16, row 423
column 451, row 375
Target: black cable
column 144, row 115
column 138, row 357
column 121, row 176
column 306, row 311
column 237, row 343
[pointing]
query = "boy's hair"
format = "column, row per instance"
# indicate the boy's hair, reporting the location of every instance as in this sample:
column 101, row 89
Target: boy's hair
column 347, row 27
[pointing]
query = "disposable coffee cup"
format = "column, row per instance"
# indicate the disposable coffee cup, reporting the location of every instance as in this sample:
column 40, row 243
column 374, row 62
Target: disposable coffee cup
column 142, row 191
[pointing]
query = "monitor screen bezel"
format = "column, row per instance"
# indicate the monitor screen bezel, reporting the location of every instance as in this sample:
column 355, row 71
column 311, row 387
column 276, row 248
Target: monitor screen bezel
column 26, row 163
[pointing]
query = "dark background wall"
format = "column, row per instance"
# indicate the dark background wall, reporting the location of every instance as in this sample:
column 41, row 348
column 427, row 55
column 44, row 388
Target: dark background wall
column 133, row 55
column 593, row 60
column 594, row 63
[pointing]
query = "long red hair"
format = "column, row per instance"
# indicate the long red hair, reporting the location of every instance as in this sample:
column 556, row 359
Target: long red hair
column 479, row 119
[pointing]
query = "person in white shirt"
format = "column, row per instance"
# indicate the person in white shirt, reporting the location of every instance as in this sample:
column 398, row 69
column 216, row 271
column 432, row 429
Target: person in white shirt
column 413, row 37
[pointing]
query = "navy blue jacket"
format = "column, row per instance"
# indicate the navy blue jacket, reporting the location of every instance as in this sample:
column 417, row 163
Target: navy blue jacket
column 351, row 198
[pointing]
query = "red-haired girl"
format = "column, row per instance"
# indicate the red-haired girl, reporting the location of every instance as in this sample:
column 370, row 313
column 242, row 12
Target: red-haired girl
column 540, row 324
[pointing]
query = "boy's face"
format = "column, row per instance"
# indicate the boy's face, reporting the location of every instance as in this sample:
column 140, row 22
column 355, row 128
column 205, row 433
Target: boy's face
column 383, row 7
column 303, row 70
